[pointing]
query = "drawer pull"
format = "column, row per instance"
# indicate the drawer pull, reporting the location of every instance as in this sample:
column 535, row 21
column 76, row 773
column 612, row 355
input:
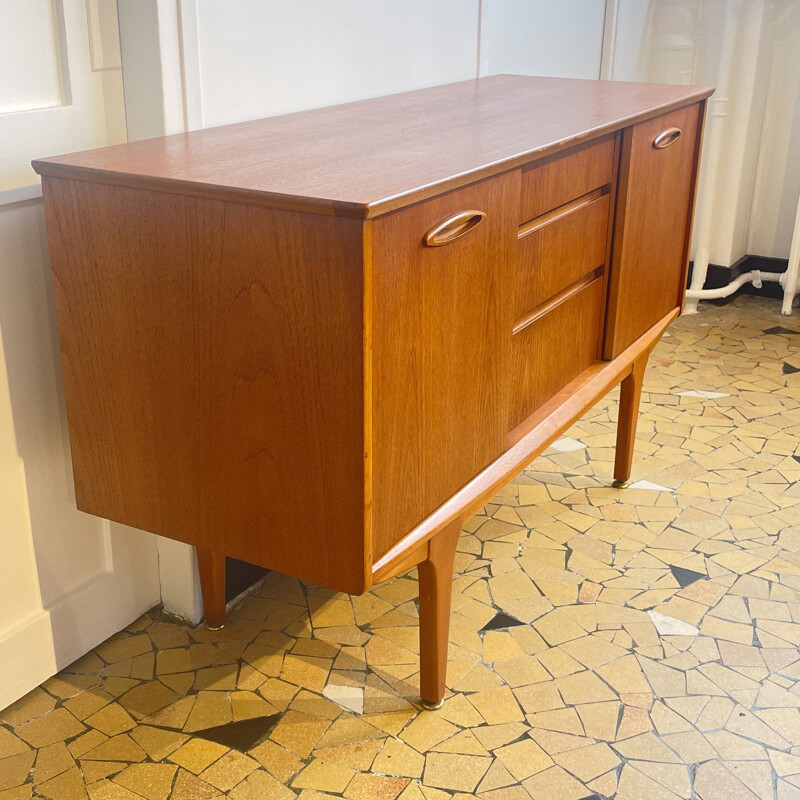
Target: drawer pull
column 453, row 228
column 666, row 138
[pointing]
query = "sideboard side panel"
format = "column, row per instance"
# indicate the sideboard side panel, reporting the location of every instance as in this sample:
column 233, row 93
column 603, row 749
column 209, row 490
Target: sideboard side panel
column 442, row 319
column 212, row 361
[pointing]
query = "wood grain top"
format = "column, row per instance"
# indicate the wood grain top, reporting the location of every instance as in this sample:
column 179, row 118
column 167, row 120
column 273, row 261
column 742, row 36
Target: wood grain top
column 367, row 158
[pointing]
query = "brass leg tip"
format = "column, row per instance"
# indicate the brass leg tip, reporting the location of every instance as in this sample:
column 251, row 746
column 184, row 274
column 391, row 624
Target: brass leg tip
column 619, row 484
column 210, row 627
column 429, row 705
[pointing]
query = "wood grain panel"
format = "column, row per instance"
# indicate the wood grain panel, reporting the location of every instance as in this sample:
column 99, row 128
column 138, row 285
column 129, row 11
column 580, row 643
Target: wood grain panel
column 560, row 252
column 547, row 354
column 212, row 358
column 652, row 227
column 552, row 181
column 442, row 318
column 367, row 158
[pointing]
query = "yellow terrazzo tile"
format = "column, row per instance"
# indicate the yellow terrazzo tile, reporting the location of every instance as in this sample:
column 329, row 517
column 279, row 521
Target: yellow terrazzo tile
column 299, row 732
column 324, row 776
column 375, row 787
column 51, row 761
column 111, row 720
column 600, row 720
column 229, row 770
column 454, row 772
column 358, row 756
column 464, row 742
column 523, row 759
column 94, row 771
column 209, row 710
column 496, row 777
column 499, row 646
column 583, row 687
column 605, row 785
column 10, row 745
column 197, row 754
column 85, row 743
column 558, row 662
column 68, row 785
column 593, row 651
column 730, row 631
column 54, row 726
column 278, row 761
column 556, row 627
column 497, row 706
column 158, row 743
column 173, row 660
column 28, row 707
column 86, row 703
column 124, row 647
column 260, row 785
column 634, row 784
column 152, row 781
column 398, row 759
column 477, row 678
column 391, row 722
column 427, row 730
column 524, row 671
column 306, row 671
column 587, row 763
column 625, row 675
column 552, row 783
column 14, row 769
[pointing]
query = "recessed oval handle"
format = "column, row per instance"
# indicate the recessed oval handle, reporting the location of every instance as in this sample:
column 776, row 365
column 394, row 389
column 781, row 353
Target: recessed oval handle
column 452, row 228
column 666, row 138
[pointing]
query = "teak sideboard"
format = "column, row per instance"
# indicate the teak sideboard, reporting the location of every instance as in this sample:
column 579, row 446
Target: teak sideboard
column 318, row 342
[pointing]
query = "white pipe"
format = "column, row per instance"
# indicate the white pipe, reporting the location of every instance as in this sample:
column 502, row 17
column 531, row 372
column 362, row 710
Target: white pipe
column 755, row 277
column 792, row 275
column 718, row 104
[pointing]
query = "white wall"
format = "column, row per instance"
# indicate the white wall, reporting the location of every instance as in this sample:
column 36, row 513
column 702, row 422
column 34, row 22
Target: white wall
column 540, row 37
column 309, row 53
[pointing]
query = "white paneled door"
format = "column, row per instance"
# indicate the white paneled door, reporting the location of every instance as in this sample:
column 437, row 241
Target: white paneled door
column 67, row 580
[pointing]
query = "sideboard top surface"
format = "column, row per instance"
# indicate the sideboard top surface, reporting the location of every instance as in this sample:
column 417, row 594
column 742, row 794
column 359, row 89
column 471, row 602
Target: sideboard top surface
column 369, row 157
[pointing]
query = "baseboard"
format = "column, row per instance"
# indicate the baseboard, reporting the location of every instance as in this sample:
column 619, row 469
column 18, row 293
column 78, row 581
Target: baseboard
column 26, row 656
column 53, row 637
column 719, row 276
column 83, row 618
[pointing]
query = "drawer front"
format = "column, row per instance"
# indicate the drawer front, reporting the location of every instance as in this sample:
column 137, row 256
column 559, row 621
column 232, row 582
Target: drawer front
column 555, row 348
column 557, row 179
column 652, row 226
column 441, row 349
column 560, row 251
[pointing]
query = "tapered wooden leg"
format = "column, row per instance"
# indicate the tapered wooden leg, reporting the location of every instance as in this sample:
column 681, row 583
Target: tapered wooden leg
column 212, row 584
column 435, row 590
column 629, row 397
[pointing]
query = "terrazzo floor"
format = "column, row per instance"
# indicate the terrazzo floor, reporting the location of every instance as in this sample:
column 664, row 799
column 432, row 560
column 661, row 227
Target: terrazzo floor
column 639, row 644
